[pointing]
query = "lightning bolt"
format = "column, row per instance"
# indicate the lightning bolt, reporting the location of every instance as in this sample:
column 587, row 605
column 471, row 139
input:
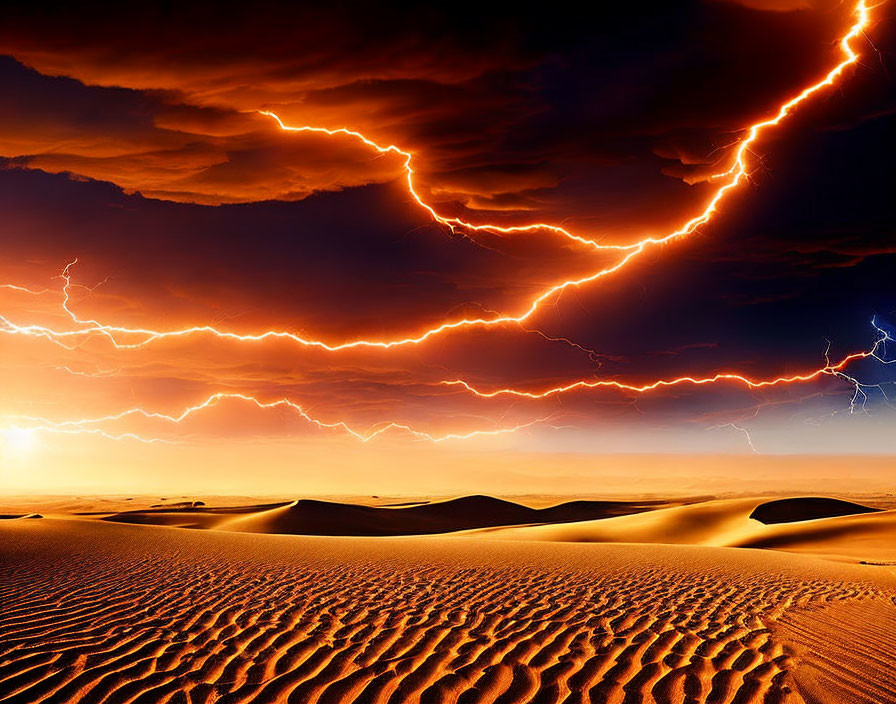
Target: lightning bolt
column 98, row 374
column 124, row 338
column 25, row 289
column 735, row 174
column 743, row 431
column 128, row 338
column 50, row 428
column 859, row 400
column 87, row 425
column 877, row 352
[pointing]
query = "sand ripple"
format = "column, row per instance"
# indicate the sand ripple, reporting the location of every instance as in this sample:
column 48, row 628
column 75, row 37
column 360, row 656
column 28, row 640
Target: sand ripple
column 108, row 613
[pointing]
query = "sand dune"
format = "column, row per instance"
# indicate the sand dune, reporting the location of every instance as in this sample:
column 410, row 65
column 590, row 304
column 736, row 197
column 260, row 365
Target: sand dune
column 186, row 517
column 312, row 517
column 869, row 537
column 806, row 508
column 849, row 531
column 102, row 612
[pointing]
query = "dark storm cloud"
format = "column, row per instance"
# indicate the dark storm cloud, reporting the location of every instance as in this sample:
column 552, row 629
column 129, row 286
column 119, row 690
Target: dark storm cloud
column 804, row 257
column 594, row 117
column 606, row 120
column 142, row 141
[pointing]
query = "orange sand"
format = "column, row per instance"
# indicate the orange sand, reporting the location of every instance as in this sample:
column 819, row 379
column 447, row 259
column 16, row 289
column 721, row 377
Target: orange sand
column 100, row 611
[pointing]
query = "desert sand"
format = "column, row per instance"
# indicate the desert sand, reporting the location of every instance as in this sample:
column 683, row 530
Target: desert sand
column 682, row 601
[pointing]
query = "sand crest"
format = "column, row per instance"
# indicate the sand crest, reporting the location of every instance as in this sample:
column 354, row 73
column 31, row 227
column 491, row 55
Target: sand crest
column 314, row 517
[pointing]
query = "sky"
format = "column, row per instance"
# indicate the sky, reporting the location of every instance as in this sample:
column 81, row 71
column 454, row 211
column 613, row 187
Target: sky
column 433, row 249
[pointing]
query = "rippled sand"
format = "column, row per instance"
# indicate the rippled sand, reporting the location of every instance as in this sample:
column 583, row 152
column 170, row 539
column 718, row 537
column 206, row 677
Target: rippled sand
column 103, row 612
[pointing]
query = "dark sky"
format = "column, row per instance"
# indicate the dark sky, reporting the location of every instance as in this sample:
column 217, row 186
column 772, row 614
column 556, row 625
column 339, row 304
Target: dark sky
column 131, row 141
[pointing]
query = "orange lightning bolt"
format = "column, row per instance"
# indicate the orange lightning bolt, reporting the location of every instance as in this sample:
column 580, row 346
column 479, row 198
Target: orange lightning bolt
column 25, row 289
column 88, row 425
column 730, row 377
column 126, row 338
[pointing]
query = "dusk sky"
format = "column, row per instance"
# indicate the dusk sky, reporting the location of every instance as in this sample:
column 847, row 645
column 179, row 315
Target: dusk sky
column 134, row 144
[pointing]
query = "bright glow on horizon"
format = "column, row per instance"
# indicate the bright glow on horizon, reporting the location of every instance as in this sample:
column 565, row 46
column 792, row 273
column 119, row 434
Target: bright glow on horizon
column 18, row 442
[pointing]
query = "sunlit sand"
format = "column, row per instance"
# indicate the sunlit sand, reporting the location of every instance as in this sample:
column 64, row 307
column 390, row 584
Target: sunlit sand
column 655, row 602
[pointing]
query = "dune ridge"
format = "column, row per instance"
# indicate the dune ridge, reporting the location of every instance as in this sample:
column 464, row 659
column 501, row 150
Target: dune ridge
column 823, row 526
column 868, row 537
column 315, row 517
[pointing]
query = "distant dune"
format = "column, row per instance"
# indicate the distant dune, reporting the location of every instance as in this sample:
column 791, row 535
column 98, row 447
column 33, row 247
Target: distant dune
column 818, row 525
column 312, row 517
column 180, row 504
column 868, row 536
column 103, row 612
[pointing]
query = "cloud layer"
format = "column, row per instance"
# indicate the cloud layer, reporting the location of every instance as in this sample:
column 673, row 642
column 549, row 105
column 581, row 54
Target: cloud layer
column 134, row 144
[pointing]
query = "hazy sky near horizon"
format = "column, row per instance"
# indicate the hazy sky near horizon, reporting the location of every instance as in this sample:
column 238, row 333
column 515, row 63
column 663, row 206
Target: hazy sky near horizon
column 132, row 143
